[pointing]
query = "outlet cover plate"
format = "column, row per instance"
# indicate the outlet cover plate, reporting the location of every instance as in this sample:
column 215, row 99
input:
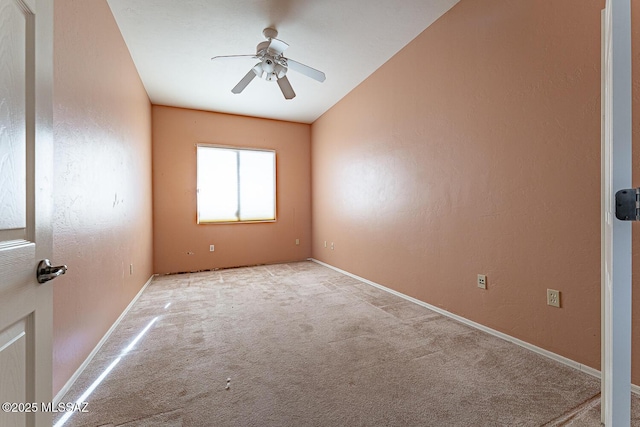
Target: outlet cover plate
column 212, row 248
column 482, row 281
column 553, row 298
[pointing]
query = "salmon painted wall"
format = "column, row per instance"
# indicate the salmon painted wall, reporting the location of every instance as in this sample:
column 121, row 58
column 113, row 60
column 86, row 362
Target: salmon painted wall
column 182, row 245
column 476, row 150
column 102, row 180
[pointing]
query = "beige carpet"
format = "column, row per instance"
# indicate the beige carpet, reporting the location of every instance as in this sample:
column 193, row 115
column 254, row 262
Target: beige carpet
column 303, row 345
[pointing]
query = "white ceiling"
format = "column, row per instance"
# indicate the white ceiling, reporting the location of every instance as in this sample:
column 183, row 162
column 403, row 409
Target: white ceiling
column 171, row 43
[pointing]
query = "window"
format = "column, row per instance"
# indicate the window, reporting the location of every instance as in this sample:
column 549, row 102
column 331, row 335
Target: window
column 235, row 184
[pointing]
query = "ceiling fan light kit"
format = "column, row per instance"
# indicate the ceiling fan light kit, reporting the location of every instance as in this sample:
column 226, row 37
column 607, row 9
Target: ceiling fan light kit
column 273, row 66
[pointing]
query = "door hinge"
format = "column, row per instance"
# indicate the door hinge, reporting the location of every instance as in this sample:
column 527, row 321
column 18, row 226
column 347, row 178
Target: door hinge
column 628, row 204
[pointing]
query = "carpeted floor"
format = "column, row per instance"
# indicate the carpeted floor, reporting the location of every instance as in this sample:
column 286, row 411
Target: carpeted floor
column 302, row 345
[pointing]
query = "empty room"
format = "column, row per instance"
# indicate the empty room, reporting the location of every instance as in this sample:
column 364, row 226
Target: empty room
column 319, row 213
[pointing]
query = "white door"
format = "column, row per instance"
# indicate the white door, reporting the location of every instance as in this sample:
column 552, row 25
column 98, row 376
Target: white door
column 616, row 234
column 26, row 143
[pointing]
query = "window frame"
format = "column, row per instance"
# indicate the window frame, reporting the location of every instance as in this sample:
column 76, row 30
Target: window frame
column 275, row 185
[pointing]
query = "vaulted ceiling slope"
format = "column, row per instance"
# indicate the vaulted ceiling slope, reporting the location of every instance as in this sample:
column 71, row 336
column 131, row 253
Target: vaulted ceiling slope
column 172, row 42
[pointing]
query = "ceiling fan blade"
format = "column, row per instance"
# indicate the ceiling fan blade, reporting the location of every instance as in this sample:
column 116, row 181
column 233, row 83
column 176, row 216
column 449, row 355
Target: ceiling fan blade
column 278, row 46
column 306, row 70
column 232, row 56
column 286, row 88
column 244, row 82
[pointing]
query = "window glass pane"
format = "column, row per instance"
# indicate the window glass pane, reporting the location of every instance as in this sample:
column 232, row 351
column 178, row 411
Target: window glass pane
column 235, row 185
column 257, row 185
column 217, row 184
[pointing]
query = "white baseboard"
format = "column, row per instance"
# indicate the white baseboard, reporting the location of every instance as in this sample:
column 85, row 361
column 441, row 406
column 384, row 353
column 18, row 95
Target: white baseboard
column 82, row 367
column 565, row 361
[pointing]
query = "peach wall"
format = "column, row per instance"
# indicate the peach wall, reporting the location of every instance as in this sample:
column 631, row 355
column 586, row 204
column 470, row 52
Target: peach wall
column 182, row 245
column 102, row 180
column 476, row 150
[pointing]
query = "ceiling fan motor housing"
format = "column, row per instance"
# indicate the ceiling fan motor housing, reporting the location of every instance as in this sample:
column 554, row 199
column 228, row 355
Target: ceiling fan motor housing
column 262, row 47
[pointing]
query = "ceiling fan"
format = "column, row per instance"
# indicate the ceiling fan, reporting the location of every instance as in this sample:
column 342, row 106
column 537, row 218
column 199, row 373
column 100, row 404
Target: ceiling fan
column 273, row 66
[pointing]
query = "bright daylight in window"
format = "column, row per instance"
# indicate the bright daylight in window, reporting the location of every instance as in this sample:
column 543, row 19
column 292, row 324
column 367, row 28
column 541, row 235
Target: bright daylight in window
column 236, row 184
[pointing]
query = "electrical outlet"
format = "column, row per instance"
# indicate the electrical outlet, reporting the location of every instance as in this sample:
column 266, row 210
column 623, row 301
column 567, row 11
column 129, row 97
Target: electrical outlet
column 212, row 248
column 297, row 241
column 553, row 298
column 331, row 245
column 482, row 281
